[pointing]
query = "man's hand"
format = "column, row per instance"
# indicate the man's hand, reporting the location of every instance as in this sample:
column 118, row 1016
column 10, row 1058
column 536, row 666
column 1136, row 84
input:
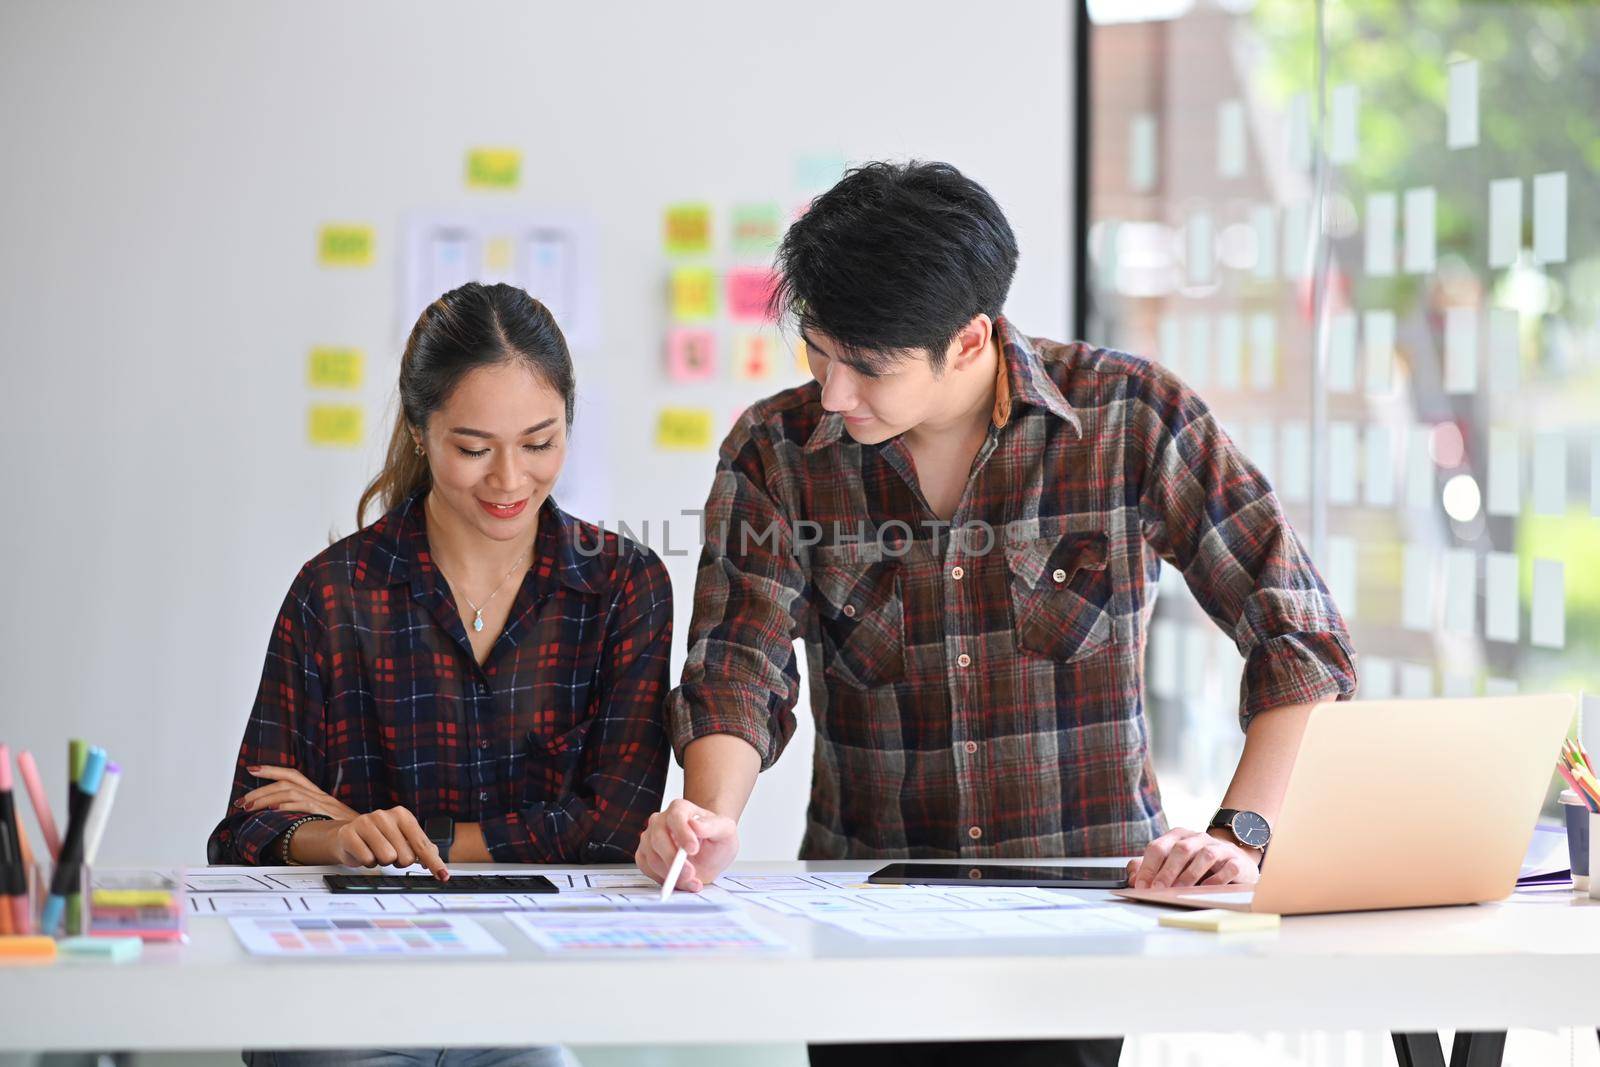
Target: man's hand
column 711, row 840
column 290, row 790
column 1189, row 857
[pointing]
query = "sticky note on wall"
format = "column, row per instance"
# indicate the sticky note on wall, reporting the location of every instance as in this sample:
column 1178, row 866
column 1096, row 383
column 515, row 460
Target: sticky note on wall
column 691, row 355
column 687, row 229
column 753, row 356
column 334, row 425
column 335, row 368
column 1548, row 625
column 494, row 168
column 1380, row 230
column 1421, row 247
column 345, row 245
column 750, row 290
column 694, row 294
column 756, row 229
column 683, row 429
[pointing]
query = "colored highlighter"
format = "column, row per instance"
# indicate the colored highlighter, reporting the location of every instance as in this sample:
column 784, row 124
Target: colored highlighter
column 13, row 876
column 65, row 881
column 41, row 802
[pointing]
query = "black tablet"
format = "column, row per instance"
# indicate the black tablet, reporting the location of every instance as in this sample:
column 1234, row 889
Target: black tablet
column 1043, row 875
column 427, row 883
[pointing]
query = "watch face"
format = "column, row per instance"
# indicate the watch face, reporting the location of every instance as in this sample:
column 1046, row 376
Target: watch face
column 1251, row 829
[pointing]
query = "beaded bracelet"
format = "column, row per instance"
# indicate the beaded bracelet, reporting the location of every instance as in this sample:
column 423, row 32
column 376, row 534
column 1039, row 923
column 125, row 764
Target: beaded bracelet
column 288, row 835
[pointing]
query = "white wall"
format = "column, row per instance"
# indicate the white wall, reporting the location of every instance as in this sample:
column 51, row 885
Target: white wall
column 165, row 167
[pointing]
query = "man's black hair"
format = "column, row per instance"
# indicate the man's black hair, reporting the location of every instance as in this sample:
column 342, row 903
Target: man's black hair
column 896, row 256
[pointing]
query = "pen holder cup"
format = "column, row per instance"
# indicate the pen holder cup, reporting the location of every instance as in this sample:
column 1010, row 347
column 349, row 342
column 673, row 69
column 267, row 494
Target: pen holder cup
column 147, row 904
column 1576, row 813
column 1594, row 837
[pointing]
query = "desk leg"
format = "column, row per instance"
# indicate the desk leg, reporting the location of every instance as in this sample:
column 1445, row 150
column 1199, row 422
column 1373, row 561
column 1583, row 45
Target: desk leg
column 1418, row 1050
column 1478, row 1049
column 1469, row 1050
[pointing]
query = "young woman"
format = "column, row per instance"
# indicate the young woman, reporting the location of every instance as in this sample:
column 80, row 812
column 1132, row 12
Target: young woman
column 476, row 660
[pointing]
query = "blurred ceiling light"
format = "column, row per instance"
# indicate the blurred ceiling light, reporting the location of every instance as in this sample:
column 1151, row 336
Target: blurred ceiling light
column 1462, row 498
column 1105, row 12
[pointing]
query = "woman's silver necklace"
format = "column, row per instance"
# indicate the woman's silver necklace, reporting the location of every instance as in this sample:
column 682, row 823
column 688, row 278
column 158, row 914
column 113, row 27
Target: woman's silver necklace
column 477, row 612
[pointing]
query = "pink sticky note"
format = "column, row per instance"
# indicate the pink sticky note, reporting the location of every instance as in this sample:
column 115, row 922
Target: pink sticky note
column 691, row 355
column 749, row 290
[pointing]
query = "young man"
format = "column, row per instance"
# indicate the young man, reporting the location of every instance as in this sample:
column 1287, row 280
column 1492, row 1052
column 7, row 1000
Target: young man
column 965, row 525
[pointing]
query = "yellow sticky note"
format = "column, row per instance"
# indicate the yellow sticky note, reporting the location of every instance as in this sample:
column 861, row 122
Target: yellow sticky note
column 688, row 229
column 345, row 245
column 494, row 168
column 131, row 898
column 694, row 294
column 334, row 424
column 1220, row 921
column 335, row 368
column 683, row 429
column 498, row 254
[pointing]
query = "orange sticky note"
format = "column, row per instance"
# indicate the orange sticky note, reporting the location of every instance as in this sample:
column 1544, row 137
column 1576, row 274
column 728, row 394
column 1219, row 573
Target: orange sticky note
column 27, row 948
column 752, row 357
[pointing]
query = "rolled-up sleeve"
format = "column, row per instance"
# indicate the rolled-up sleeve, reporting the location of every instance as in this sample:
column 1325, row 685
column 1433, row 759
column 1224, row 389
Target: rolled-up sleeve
column 741, row 676
column 1207, row 511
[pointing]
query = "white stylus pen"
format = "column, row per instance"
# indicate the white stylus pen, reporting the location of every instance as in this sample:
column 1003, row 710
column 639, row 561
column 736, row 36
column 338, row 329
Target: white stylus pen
column 672, row 875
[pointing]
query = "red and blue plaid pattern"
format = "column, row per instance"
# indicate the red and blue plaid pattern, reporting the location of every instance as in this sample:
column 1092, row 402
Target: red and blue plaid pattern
column 556, row 745
column 978, row 686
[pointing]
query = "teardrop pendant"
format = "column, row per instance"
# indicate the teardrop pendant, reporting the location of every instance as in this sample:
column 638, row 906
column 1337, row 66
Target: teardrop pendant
column 477, row 622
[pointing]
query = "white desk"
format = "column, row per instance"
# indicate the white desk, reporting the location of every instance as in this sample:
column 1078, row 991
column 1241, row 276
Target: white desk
column 1529, row 962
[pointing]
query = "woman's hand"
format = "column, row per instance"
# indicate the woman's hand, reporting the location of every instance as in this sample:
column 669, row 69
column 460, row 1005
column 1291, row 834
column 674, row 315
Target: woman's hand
column 290, row 790
column 389, row 837
column 1189, row 857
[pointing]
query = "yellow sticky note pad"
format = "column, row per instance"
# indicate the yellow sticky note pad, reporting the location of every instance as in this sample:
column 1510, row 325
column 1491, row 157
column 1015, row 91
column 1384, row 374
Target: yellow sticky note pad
column 683, row 429
column 1220, row 921
column 335, row 368
column 694, row 294
column 494, row 168
column 345, row 245
column 334, row 424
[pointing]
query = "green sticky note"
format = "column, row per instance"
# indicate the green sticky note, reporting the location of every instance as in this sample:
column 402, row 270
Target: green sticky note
column 335, row 368
column 345, row 245
column 334, row 425
column 755, row 229
column 687, row 229
column 494, row 168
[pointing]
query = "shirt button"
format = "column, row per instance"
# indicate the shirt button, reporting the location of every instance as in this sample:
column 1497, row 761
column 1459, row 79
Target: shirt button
column 975, row 832
column 1059, row 575
column 849, row 611
column 971, row 747
column 963, row 660
column 485, row 798
column 483, row 690
column 958, row 573
column 483, row 744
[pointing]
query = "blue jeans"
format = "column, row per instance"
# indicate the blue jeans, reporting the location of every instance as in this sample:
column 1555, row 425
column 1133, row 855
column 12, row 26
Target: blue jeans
column 542, row 1056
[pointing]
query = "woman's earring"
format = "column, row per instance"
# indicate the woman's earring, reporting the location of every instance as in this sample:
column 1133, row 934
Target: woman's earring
column 418, row 447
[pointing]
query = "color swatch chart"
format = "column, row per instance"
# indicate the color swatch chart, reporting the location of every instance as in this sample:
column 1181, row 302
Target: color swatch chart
column 646, row 934
column 310, row 936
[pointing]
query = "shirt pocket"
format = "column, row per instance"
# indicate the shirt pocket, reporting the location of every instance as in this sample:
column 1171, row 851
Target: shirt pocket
column 1061, row 595
column 551, row 761
column 862, row 616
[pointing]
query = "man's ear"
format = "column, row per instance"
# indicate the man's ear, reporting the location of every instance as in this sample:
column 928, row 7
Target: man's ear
column 969, row 343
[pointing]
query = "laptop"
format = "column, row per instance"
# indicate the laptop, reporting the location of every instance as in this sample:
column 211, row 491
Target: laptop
column 1437, row 798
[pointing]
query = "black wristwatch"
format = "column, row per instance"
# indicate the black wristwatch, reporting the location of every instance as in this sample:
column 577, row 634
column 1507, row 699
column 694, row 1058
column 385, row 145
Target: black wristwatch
column 441, row 830
column 1248, row 828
